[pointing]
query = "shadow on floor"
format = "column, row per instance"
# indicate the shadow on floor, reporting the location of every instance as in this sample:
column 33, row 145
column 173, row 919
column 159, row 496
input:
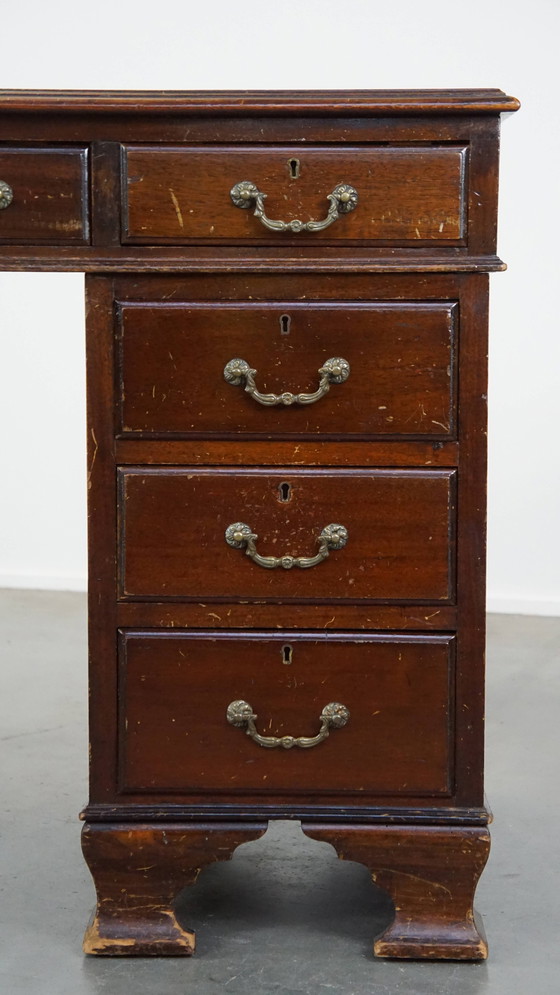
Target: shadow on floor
column 285, row 881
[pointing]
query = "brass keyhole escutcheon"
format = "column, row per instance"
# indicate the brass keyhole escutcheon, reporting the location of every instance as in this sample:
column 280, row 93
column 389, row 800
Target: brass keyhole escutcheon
column 294, row 168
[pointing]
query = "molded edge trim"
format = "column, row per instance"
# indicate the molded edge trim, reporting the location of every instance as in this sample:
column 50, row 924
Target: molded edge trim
column 243, row 103
column 149, row 260
column 390, row 815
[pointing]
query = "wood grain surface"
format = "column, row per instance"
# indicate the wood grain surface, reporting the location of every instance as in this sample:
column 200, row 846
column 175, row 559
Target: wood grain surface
column 413, row 194
column 402, row 369
column 50, row 195
column 401, row 526
column 174, row 689
column 134, row 188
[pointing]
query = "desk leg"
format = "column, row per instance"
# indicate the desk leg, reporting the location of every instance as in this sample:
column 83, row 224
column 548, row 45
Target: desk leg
column 139, row 871
column 431, row 873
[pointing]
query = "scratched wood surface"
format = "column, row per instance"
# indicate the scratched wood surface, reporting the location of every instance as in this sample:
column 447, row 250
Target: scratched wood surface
column 152, row 864
column 50, row 195
column 419, row 179
column 175, row 687
column 402, row 369
column 139, row 455
column 431, row 876
column 209, row 103
column 136, row 186
column 400, row 523
column 405, row 194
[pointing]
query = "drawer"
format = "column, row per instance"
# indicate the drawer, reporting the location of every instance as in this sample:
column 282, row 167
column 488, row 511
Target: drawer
column 407, row 194
column 401, row 379
column 175, row 689
column 400, row 534
column 50, row 195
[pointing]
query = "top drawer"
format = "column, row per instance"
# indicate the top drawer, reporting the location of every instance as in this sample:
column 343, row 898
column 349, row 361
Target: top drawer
column 45, row 195
column 407, row 195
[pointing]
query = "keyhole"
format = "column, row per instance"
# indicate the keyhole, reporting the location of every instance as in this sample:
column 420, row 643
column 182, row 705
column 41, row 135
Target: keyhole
column 285, row 491
column 287, row 653
column 285, row 322
column 294, row 168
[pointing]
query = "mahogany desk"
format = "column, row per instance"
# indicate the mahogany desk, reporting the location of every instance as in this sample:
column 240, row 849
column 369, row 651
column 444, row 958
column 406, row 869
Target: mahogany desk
column 286, row 342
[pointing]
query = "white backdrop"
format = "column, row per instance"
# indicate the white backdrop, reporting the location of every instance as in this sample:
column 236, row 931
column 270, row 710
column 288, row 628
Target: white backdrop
column 296, row 44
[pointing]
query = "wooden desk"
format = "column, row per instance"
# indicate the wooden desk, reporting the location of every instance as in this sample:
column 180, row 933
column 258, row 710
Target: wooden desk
column 286, row 336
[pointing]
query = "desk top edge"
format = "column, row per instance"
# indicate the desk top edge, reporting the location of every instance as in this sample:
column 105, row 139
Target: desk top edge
column 247, row 102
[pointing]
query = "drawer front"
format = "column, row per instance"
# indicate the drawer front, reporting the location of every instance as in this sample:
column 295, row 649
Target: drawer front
column 175, row 688
column 400, row 526
column 406, row 194
column 50, row 195
column 401, row 378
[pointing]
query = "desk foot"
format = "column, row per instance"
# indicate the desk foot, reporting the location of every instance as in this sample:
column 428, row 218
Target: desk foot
column 138, row 871
column 431, row 874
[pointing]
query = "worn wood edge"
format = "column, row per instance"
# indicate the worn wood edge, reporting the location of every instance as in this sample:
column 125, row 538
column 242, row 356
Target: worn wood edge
column 248, row 102
column 431, row 874
column 323, row 451
column 148, row 259
column 474, row 950
column 377, row 815
column 328, row 618
column 151, row 863
column 101, row 532
column 477, row 950
column 471, row 536
column 96, row 944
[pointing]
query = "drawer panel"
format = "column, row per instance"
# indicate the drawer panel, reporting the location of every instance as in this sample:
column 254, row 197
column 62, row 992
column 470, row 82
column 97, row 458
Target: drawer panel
column 175, row 687
column 406, row 194
column 400, row 526
column 50, row 195
column 401, row 358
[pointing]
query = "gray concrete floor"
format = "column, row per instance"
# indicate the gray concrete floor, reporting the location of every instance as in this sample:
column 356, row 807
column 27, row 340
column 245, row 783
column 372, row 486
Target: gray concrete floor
column 285, row 916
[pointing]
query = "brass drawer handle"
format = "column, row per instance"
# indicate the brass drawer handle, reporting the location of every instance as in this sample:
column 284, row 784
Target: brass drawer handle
column 240, row 535
column 343, row 199
column 333, row 716
column 239, row 373
column 6, row 195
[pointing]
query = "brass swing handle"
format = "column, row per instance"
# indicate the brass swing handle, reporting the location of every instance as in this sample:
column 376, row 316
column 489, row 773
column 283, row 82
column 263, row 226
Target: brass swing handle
column 343, row 199
column 6, row 195
column 333, row 716
column 240, row 535
column 239, row 373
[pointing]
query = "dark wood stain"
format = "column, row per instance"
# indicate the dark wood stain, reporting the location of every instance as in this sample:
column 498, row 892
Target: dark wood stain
column 405, row 194
column 51, row 198
column 401, row 356
column 133, row 189
column 176, row 686
column 401, row 526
